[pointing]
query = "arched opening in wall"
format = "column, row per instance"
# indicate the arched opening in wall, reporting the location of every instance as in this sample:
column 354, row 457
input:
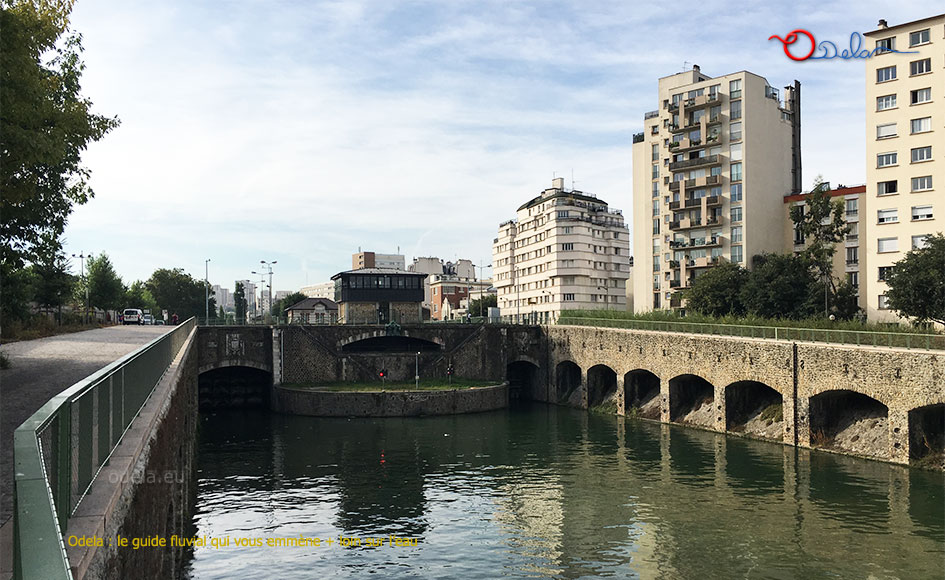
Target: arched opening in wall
column 602, row 389
column 391, row 344
column 567, row 381
column 849, row 421
column 755, row 409
column 927, row 435
column 522, row 377
column 234, row 388
column 641, row 396
column 691, row 401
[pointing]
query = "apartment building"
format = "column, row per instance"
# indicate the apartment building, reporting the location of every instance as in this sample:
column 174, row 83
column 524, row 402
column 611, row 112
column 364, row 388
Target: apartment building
column 710, row 171
column 375, row 260
column 565, row 250
column 321, row 290
column 846, row 258
column 905, row 124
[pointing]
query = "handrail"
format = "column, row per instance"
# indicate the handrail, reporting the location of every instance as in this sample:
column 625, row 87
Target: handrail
column 61, row 448
column 858, row 337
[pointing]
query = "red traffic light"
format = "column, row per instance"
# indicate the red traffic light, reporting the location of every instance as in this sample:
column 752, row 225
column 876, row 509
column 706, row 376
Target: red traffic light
column 382, row 373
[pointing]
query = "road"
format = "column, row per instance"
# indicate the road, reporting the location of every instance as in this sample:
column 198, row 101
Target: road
column 43, row 368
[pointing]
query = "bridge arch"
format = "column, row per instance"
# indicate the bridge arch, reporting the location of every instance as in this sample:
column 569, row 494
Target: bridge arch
column 641, row 395
column 567, row 380
column 343, row 344
column 234, row 362
column 601, row 385
column 754, row 408
column 384, row 343
column 691, row 399
column 849, row 421
column 522, row 376
column 234, row 386
column 927, row 433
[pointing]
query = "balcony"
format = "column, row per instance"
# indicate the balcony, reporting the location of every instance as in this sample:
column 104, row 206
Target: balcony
column 685, row 224
column 674, row 264
column 651, row 115
column 712, row 220
column 638, row 137
column 674, row 283
column 705, row 242
column 675, row 205
column 693, row 202
column 674, row 186
column 713, row 200
column 713, row 179
column 699, row 162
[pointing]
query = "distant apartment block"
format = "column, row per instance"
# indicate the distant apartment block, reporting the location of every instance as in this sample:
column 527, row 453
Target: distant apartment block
column 710, row 171
column 222, row 296
column 433, row 267
column 249, row 291
column 373, row 260
column 905, row 142
column 323, row 290
column 564, row 250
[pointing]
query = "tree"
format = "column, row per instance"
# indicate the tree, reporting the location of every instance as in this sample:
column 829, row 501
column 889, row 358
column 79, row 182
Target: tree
column 480, row 306
column 52, row 282
column 138, row 296
column 239, row 299
column 917, row 282
column 45, row 124
column 179, row 293
column 278, row 308
column 106, row 290
column 781, row 286
column 718, row 291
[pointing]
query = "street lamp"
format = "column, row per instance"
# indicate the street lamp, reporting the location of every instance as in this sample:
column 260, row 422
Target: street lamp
column 82, row 256
column 417, row 372
column 206, row 287
column 269, row 266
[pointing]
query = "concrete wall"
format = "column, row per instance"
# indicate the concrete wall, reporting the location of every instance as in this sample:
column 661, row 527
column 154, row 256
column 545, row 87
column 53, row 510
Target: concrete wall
column 389, row 403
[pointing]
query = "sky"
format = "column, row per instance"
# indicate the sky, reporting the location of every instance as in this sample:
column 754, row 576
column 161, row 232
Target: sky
column 301, row 132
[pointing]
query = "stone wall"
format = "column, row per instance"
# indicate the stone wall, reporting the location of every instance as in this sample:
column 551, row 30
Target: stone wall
column 389, row 403
column 405, row 312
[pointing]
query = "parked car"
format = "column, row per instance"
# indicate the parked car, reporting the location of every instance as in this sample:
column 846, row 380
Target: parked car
column 158, row 322
column 132, row 316
column 148, row 319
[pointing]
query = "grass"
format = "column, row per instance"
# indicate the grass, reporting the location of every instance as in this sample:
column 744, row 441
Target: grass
column 41, row 328
column 773, row 413
column 437, row 384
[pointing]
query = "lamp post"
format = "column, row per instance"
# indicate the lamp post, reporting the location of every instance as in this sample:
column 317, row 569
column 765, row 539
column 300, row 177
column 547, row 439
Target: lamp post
column 481, row 268
column 206, row 287
column 268, row 266
column 82, row 256
column 417, row 372
column 262, row 284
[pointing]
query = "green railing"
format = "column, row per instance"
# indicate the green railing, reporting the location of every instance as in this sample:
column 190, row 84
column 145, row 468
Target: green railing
column 858, row 337
column 60, row 449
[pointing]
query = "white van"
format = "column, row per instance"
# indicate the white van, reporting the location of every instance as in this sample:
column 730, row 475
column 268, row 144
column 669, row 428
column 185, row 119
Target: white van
column 132, row 316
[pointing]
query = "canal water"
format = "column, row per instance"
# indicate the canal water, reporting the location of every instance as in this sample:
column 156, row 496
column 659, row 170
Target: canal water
column 542, row 491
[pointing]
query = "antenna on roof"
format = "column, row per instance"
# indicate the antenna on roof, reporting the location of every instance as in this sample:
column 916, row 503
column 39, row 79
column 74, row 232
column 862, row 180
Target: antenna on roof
column 572, row 179
column 685, row 65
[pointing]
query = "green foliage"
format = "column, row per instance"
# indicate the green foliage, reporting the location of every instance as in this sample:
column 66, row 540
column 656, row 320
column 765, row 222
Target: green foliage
column 917, row 282
column 279, row 306
column 480, row 306
column 239, row 299
column 179, row 293
column 45, row 124
column 106, row 290
column 718, row 291
column 138, row 296
column 780, row 286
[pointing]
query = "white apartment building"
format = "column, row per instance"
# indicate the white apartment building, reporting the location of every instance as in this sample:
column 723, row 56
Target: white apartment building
column 222, row 296
column 905, row 142
column 565, row 250
column 710, row 171
column 322, row 290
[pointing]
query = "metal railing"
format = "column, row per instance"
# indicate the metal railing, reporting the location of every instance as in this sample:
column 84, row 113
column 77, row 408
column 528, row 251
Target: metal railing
column 857, row 337
column 60, row 449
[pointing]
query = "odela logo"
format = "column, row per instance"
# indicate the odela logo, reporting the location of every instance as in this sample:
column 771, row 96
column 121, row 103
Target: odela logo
column 807, row 46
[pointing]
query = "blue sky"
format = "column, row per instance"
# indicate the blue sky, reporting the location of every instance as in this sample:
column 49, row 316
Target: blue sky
column 301, row 131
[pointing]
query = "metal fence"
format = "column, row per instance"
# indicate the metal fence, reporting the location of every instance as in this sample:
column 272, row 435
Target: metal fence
column 60, row 449
column 858, row 337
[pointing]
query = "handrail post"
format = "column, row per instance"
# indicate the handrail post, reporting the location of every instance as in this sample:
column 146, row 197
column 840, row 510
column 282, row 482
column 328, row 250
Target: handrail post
column 64, row 464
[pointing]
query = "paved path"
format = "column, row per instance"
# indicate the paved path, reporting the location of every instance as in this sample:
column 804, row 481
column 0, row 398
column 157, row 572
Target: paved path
column 42, row 368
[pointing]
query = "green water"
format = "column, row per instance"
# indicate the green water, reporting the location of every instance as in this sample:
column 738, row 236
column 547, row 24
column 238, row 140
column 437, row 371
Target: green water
column 543, row 491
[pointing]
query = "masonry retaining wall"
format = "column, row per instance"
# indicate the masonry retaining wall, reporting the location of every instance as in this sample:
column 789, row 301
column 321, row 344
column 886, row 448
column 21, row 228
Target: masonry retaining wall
column 389, row 403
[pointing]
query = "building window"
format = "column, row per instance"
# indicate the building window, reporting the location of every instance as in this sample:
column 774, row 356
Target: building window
column 656, row 207
column 884, row 272
column 736, row 214
column 735, row 152
column 886, row 159
column 736, row 192
column 886, row 131
column 656, row 226
column 920, row 154
column 737, row 254
column 656, row 152
column 887, row 245
column 736, row 235
column 883, row 302
column 885, row 45
column 567, row 297
column 735, row 89
column 886, row 74
column 735, row 110
column 735, row 131
column 920, row 67
column 566, row 229
column 887, row 187
column 921, row 125
column 853, row 256
column 567, row 247
column 885, row 102
column 735, row 171
column 920, row 37
column 923, row 183
column 851, row 207
column 656, row 189
column 563, row 214
column 655, row 130
column 852, row 229
column 919, row 242
column 887, row 216
column 919, row 96
column 656, row 171
column 921, row 212
column 854, row 279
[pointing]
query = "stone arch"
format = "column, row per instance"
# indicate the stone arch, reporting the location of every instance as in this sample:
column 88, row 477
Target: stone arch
column 691, row 399
column 341, row 344
column 927, row 434
column 234, row 386
column 567, row 380
column 849, row 421
column 234, row 362
column 601, row 386
column 754, row 408
column 641, row 396
column 384, row 343
column 522, row 376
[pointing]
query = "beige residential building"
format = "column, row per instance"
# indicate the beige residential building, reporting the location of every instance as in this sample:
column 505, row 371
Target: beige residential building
column 710, row 171
column 905, row 142
column 565, row 250
column 323, row 290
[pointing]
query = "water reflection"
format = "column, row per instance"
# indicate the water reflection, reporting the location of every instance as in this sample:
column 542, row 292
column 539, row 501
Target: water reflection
column 545, row 491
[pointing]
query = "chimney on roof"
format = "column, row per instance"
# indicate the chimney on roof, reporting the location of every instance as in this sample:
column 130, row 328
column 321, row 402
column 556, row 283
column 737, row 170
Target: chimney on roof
column 696, row 68
column 882, row 23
